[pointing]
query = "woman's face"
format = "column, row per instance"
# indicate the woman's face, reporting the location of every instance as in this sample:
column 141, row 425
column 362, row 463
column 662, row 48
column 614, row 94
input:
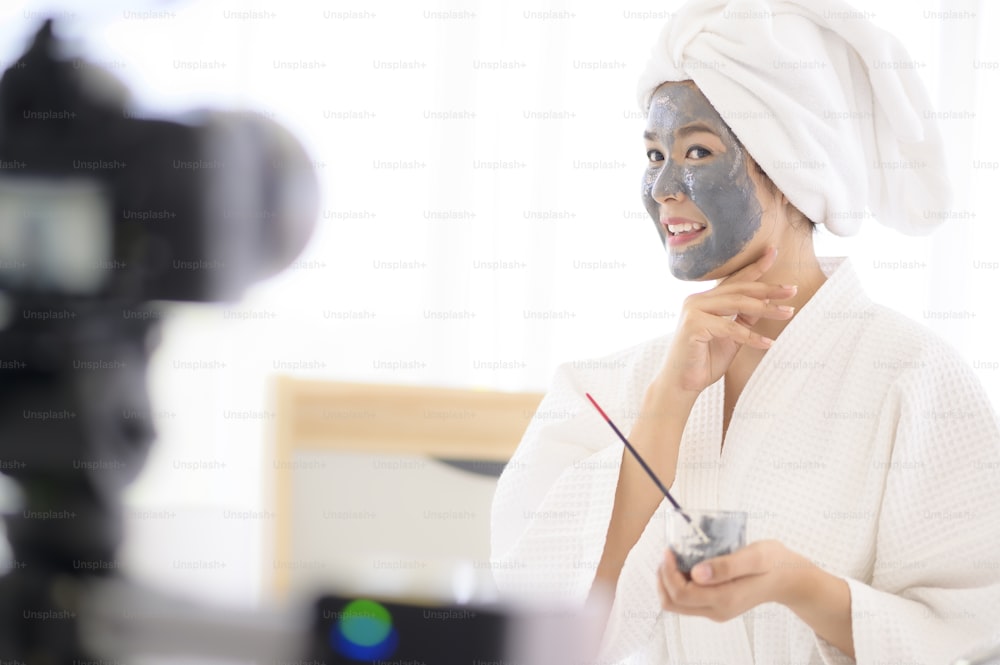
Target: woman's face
column 698, row 186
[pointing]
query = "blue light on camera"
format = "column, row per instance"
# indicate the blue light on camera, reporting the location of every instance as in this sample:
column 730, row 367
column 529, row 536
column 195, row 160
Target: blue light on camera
column 364, row 631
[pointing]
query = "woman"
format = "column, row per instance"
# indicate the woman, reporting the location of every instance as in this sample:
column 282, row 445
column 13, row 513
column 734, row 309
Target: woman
column 862, row 447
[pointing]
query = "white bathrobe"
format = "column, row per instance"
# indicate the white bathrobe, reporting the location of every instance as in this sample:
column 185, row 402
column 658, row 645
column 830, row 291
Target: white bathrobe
column 862, row 441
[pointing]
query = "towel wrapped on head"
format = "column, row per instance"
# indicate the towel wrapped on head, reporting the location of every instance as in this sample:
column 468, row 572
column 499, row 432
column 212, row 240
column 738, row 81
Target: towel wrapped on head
column 829, row 105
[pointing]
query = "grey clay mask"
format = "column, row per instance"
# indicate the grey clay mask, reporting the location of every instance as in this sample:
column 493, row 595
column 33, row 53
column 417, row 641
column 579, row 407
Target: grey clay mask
column 718, row 184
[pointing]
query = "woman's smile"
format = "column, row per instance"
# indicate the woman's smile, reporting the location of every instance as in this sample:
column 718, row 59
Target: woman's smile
column 681, row 231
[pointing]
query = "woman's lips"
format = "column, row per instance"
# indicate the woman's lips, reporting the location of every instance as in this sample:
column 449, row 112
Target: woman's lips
column 684, row 238
column 681, row 231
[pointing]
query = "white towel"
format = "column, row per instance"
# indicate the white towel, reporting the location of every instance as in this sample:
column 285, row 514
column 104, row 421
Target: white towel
column 829, row 105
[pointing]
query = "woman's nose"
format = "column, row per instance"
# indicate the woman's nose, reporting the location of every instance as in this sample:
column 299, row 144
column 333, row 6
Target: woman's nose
column 669, row 184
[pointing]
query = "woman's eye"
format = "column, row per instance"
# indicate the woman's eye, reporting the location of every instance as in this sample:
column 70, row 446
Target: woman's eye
column 655, row 155
column 697, row 152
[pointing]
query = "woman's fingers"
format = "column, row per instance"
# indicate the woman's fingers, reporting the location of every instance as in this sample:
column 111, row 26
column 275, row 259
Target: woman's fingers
column 762, row 290
column 674, row 590
column 737, row 304
column 744, row 303
column 754, row 559
column 717, row 327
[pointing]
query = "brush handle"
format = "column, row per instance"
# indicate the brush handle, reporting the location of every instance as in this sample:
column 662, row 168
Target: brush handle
column 638, row 458
column 642, row 463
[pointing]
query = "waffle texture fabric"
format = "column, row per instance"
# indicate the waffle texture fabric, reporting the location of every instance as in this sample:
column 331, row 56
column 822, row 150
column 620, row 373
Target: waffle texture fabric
column 862, row 441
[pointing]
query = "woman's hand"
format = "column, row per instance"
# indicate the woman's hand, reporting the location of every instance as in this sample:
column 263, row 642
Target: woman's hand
column 765, row 571
column 716, row 323
column 727, row 586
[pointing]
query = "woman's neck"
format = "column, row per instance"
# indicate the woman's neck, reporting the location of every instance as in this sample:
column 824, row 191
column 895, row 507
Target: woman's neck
column 801, row 269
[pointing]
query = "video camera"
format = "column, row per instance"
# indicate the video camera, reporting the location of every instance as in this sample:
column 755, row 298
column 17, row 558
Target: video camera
column 98, row 204
column 103, row 215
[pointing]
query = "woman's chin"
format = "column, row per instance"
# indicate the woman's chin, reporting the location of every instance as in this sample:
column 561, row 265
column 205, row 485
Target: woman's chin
column 688, row 275
column 684, row 268
column 688, row 271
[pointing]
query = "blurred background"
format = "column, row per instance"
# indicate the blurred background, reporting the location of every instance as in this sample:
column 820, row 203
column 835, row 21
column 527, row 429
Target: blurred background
column 480, row 166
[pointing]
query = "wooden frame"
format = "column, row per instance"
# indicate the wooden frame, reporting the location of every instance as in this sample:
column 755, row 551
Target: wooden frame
column 446, row 423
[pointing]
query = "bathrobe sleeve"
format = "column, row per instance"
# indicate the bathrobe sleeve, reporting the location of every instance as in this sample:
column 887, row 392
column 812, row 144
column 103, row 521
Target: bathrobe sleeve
column 935, row 587
column 554, row 499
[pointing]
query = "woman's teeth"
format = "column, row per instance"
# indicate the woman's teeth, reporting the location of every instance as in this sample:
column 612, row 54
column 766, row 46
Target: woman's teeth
column 684, row 228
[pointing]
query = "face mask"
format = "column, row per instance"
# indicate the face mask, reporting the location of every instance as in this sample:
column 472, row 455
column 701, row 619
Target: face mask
column 717, row 182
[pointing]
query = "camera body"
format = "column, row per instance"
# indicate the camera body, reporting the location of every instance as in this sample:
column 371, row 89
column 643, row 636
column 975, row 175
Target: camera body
column 102, row 214
column 98, row 204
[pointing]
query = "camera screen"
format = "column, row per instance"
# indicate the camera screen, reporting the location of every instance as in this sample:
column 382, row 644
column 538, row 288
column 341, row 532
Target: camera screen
column 364, row 630
column 55, row 236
